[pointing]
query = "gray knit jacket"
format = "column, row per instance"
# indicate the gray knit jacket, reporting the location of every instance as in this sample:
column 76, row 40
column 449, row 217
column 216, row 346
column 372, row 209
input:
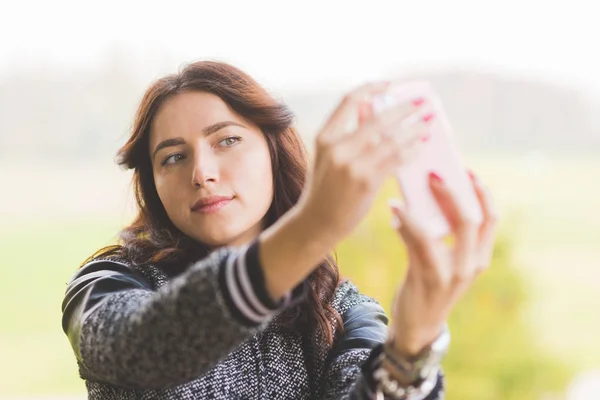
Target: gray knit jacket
column 212, row 332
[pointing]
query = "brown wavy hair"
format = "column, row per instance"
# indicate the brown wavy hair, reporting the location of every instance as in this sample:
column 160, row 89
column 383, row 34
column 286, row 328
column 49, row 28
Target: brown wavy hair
column 153, row 239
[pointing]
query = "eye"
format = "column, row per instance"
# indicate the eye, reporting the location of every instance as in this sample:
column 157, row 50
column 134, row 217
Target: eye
column 230, row 141
column 173, row 159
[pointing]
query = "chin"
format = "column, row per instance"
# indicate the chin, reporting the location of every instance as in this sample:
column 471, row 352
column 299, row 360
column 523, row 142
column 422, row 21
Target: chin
column 228, row 235
column 222, row 239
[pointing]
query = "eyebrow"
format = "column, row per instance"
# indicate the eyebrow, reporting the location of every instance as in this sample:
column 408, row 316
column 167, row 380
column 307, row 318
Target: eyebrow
column 209, row 130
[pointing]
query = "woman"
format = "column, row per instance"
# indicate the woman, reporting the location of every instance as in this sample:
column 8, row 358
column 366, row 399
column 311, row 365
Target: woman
column 223, row 286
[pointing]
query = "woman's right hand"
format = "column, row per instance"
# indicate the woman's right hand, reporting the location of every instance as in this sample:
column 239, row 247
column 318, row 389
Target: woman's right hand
column 350, row 167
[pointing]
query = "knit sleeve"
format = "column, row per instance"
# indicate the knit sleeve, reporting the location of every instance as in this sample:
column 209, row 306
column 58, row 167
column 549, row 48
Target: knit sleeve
column 348, row 373
column 125, row 333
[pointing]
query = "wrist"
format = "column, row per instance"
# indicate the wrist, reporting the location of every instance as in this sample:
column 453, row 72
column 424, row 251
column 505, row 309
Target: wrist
column 289, row 251
column 313, row 232
column 404, row 377
column 314, row 227
column 412, row 342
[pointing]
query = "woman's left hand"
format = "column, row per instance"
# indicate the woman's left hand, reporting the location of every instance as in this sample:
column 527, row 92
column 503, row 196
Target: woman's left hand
column 438, row 273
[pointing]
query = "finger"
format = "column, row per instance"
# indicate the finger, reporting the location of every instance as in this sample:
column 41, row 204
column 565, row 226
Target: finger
column 365, row 112
column 386, row 157
column 405, row 147
column 414, row 236
column 465, row 230
column 346, row 110
column 487, row 231
column 395, row 120
column 388, row 129
column 419, row 128
column 393, row 162
column 368, row 164
column 397, row 154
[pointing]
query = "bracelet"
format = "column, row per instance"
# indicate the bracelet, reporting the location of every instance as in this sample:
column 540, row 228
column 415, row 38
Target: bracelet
column 390, row 387
column 412, row 369
column 418, row 373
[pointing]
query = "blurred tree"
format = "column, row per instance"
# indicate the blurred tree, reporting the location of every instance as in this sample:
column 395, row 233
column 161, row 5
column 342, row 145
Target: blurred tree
column 494, row 353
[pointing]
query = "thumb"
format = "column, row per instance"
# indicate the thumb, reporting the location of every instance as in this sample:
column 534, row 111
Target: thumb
column 365, row 112
column 405, row 224
column 399, row 216
column 418, row 243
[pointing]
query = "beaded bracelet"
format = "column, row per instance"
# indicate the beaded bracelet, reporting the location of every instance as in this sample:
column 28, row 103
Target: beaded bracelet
column 391, row 387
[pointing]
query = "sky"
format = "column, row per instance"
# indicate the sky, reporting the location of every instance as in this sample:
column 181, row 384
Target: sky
column 311, row 43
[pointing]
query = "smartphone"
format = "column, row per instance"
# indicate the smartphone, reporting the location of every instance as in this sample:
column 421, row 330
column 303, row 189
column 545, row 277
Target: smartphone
column 438, row 154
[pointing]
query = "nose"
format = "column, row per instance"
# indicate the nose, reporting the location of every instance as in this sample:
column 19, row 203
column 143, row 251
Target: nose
column 205, row 169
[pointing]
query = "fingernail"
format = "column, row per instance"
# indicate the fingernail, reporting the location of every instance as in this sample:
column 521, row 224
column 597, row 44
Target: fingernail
column 428, row 117
column 418, row 102
column 394, row 204
column 425, row 137
column 436, row 177
column 395, row 222
column 472, row 174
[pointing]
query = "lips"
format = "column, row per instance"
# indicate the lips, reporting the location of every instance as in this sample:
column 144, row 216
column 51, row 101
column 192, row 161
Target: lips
column 211, row 204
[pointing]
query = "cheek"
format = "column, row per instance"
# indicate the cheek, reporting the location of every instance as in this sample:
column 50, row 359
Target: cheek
column 166, row 187
column 254, row 177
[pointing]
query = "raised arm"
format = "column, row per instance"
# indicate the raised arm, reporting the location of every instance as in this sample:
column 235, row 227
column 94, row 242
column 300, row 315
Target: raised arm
column 125, row 333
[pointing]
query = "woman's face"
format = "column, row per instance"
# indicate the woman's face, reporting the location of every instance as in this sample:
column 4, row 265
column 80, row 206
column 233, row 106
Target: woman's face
column 212, row 169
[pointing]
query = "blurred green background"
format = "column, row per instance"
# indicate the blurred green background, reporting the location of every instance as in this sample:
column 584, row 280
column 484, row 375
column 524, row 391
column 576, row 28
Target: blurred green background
column 523, row 331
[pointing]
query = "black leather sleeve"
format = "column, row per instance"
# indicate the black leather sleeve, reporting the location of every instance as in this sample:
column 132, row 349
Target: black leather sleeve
column 91, row 284
column 349, row 373
column 365, row 326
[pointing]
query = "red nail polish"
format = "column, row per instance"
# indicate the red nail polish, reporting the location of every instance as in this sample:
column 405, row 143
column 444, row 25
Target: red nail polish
column 418, row 102
column 428, row 117
column 471, row 174
column 436, row 177
column 425, row 137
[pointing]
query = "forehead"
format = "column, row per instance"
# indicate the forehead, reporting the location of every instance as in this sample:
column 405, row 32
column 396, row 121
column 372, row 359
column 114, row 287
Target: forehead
column 188, row 113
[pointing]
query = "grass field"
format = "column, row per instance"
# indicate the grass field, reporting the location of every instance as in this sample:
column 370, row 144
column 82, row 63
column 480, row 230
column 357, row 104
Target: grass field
column 549, row 207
